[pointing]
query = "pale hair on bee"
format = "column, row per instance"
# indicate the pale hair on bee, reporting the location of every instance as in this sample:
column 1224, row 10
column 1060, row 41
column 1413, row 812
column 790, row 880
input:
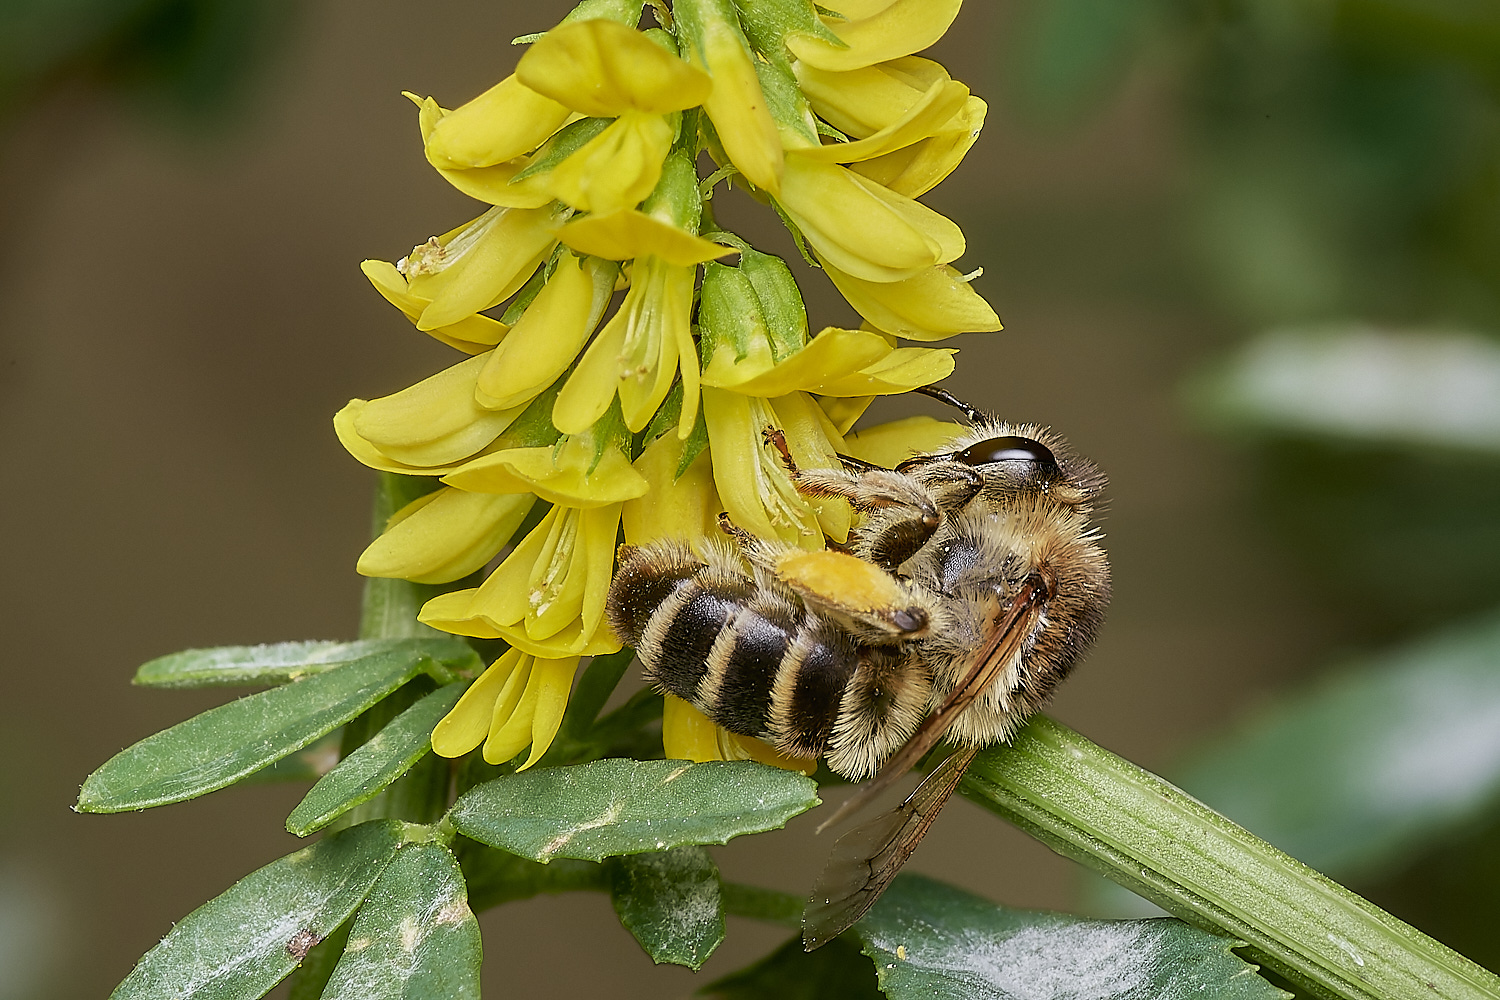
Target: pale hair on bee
column 971, row 585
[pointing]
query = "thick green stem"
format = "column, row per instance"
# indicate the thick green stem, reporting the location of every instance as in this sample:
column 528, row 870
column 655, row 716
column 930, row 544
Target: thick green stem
column 1089, row 805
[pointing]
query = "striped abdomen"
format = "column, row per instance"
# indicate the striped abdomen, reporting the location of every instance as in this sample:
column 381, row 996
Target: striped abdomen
column 751, row 659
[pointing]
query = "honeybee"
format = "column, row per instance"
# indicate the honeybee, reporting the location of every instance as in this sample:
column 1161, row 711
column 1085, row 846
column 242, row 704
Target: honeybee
column 971, row 585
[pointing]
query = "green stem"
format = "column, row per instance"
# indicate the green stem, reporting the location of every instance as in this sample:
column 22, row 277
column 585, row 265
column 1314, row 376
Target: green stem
column 1089, row 805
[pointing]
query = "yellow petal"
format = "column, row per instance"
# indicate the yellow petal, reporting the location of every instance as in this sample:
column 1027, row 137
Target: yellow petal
column 628, row 234
column 553, row 680
column 675, row 506
column 888, row 445
column 932, row 111
column 814, row 444
column 565, row 474
column 919, row 168
column 472, row 334
column 367, row 454
column 733, row 746
column 480, row 263
column 903, row 27
column 549, row 334
column 903, row 370
column 617, row 168
column 686, row 733
column 510, row 723
column 832, row 355
column 450, row 612
column 467, row 725
column 603, row 68
column 434, row 422
column 936, row 303
column 737, row 107
column 844, row 411
column 637, row 353
column 445, row 535
column 749, row 478
column 575, row 640
column 862, row 228
column 500, row 124
column 862, row 102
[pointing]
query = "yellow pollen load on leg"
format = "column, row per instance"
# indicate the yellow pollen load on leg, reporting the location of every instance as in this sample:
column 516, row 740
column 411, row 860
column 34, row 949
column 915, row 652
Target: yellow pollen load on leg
column 839, row 578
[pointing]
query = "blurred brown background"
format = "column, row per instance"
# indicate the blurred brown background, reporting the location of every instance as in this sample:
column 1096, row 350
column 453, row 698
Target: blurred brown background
column 186, row 313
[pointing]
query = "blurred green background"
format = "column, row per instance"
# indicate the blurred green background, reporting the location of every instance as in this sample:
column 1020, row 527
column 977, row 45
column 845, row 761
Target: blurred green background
column 1248, row 257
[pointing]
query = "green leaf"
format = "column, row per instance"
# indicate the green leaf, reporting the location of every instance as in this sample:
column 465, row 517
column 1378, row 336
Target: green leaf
column 497, row 877
column 836, row 971
column 278, row 663
column 1353, row 382
column 610, row 807
column 929, row 939
column 1088, row 804
column 312, row 975
column 1375, row 761
column 240, row 944
column 415, row 938
column 361, row 776
column 670, row 901
column 221, row 746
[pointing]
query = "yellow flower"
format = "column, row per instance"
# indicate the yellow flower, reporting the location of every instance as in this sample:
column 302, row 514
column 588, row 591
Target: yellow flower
column 876, row 32
column 429, row 426
column 517, row 702
column 472, row 334
column 498, row 184
column 638, row 353
column 500, row 124
column 444, row 535
column 687, row 734
column 749, row 476
column 736, row 105
column 934, row 304
column 681, row 501
column 547, row 597
column 549, row 334
column 479, row 264
column 862, row 228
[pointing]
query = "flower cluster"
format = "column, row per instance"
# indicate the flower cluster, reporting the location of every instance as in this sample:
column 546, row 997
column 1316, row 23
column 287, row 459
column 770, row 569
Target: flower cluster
column 582, row 412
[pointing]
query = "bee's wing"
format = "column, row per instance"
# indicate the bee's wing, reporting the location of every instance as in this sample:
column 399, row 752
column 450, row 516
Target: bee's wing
column 865, row 859
column 1002, row 644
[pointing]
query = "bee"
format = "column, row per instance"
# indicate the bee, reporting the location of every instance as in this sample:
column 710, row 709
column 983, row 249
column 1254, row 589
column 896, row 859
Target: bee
column 972, row 583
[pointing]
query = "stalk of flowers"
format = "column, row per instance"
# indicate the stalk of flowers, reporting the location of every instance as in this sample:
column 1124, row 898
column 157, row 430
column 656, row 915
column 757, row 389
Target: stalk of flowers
column 582, row 415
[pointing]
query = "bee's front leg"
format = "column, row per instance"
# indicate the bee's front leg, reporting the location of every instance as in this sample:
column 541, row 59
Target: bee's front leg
column 907, row 514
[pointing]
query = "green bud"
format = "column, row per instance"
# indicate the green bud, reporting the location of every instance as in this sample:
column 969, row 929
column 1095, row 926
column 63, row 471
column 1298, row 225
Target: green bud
column 627, row 12
column 676, row 198
column 729, row 313
column 785, row 100
column 780, row 301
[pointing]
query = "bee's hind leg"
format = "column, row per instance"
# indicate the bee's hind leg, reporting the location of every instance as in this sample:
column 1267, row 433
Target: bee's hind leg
column 900, row 514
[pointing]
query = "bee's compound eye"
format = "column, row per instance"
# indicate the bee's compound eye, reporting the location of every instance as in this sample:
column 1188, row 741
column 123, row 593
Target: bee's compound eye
column 1008, row 449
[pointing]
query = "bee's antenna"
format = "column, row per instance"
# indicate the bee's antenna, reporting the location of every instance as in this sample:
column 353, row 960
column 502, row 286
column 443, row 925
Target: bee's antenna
column 944, row 396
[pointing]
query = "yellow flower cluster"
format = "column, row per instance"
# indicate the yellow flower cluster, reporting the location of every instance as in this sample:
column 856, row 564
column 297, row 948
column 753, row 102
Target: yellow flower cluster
column 653, row 422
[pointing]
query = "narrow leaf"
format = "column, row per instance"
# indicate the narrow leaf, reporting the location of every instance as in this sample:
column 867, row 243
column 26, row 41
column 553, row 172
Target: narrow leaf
column 217, row 748
column 240, row 944
column 362, row 775
column 1140, row 831
column 610, row 807
column 670, row 901
column 1375, row 762
column 836, row 971
column 312, row 975
column 929, row 939
column 278, row 663
column 415, row 938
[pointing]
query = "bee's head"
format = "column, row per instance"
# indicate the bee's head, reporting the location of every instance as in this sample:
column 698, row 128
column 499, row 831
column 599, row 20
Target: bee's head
column 1015, row 459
